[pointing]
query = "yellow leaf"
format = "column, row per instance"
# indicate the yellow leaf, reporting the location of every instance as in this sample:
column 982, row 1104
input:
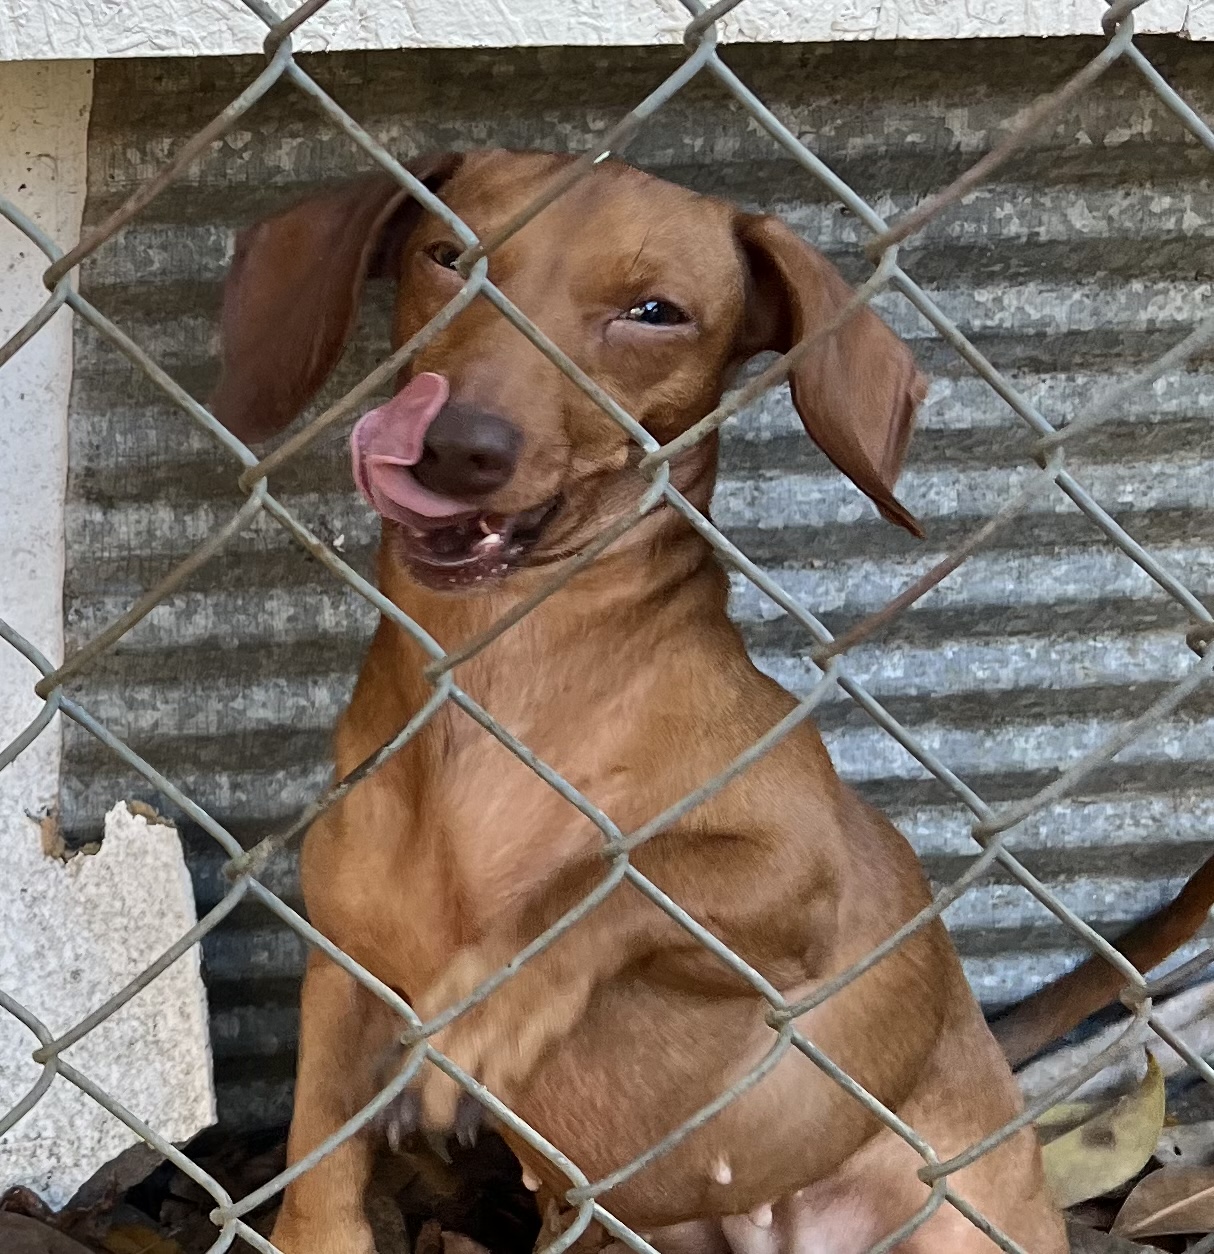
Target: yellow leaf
column 1065, row 1116
column 133, row 1239
column 1110, row 1148
column 1170, row 1202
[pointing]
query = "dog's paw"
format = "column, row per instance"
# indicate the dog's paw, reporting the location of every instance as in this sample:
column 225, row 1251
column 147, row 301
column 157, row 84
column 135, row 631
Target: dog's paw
column 497, row 1042
column 401, row 1122
column 478, row 1043
column 433, row 1103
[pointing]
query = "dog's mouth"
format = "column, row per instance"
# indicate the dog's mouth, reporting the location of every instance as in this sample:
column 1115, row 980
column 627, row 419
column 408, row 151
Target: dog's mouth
column 474, row 547
column 445, row 542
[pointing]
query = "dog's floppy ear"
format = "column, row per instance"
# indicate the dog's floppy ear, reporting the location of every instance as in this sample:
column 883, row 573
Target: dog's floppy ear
column 291, row 295
column 858, row 389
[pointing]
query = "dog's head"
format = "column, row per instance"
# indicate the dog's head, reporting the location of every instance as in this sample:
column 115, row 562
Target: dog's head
column 488, row 457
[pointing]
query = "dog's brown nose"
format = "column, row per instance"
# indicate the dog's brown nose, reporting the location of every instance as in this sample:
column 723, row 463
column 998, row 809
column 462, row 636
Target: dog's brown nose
column 467, row 452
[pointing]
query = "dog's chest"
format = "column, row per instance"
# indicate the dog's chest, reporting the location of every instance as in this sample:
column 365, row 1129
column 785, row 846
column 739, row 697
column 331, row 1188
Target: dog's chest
column 504, row 827
column 436, row 848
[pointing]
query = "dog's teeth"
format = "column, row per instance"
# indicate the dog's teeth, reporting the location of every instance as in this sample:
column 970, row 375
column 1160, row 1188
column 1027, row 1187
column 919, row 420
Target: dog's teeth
column 722, row 1172
column 490, row 524
column 393, row 1131
column 530, row 1182
column 761, row 1216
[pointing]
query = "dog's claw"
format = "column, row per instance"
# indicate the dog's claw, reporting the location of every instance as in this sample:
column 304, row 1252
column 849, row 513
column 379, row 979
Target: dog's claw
column 438, row 1147
column 401, row 1118
column 467, row 1126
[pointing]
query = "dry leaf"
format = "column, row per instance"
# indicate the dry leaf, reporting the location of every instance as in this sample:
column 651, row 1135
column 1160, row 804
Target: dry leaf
column 1093, row 1241
column 1170, row 1202
column 1065, row 1116
column 1110, row 1148
column 19, row 1234
column 134, row 1239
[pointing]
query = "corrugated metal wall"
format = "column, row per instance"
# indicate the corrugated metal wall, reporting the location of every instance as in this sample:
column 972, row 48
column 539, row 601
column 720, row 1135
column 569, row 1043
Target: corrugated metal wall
column 1093, row 252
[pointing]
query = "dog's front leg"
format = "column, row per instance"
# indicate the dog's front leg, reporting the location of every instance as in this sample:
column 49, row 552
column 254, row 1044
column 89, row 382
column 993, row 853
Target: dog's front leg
column 500, row 1039
column 344, row 1033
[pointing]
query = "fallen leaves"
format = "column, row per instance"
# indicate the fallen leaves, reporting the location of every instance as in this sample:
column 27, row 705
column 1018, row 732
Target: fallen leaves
column 135, row 1239
column 1093, row 1241
column 21, row 1234
column 1124, row 1175
column 1170, row 1202
column 1110, row 1148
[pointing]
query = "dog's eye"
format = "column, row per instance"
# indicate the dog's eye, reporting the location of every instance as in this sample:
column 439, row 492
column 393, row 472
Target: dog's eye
column 443, row 253
column 656, row 313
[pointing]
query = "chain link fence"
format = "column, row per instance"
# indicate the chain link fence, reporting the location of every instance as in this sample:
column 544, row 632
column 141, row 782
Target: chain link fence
column 991, row 826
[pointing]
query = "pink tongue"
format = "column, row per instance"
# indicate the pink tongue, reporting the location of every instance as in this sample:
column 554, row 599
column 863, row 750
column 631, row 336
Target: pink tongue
column 386, row 441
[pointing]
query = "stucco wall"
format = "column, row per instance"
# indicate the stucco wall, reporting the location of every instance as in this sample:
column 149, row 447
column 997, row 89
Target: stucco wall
column 82, row 28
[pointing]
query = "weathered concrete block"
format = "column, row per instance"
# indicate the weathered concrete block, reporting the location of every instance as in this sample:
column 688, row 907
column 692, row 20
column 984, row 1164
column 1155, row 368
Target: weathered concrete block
column 74, row 933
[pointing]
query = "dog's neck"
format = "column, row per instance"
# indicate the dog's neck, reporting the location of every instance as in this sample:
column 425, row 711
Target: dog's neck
column 631, row 598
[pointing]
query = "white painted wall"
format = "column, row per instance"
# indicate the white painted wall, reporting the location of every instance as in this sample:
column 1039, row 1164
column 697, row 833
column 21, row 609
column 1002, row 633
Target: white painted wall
column 71, row 933
column 83, row 28
column 43, row 127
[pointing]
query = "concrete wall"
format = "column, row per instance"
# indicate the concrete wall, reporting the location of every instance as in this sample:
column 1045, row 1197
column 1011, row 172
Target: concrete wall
column 43, row 131
column 82, row 28
column 73, row 930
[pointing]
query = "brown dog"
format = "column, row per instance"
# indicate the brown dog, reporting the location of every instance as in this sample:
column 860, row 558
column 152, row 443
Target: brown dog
column 490, row 469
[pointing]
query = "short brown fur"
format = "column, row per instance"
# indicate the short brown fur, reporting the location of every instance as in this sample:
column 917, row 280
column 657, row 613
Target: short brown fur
column 632, row 683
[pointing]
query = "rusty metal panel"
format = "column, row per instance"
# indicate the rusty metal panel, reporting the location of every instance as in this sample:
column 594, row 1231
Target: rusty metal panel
column 1091, row 253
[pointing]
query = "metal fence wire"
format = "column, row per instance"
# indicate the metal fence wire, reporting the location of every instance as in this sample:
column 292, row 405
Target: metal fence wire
column 991, row 826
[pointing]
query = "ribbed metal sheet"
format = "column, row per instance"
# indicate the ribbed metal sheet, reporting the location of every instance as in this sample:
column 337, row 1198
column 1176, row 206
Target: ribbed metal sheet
column 1091, row 253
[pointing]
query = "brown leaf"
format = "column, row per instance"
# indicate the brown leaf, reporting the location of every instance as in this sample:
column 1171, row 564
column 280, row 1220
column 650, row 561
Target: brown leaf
column 103, row 1189
column 22, row 1201
column 1092, row 1241
column 1170, row 1202
column 1109, row 1149
column 19, row 1234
